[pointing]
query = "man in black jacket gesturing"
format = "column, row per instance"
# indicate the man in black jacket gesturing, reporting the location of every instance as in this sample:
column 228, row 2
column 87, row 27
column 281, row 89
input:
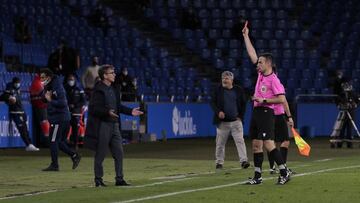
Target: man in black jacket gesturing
column 103, row 125
column 229, row 104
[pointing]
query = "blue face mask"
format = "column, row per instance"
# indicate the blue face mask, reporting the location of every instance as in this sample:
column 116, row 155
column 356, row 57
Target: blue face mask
column 17, row 85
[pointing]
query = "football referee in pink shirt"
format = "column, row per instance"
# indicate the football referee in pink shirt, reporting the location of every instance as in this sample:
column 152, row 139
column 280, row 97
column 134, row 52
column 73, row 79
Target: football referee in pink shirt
column 268, row 92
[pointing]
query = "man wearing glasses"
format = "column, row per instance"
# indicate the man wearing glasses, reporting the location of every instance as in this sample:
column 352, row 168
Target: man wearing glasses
column 103, row 125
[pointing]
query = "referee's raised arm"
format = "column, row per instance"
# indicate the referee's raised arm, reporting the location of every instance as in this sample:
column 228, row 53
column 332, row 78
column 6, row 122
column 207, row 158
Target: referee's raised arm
column 249, row 47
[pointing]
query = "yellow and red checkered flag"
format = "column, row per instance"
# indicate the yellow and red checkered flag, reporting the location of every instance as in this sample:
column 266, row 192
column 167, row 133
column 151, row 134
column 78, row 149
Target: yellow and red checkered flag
column 304, row 148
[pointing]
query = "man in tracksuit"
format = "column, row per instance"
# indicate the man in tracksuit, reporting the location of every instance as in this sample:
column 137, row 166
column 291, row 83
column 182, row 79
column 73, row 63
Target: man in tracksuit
column 76, row 100
column 12, row 97
column 59, row 118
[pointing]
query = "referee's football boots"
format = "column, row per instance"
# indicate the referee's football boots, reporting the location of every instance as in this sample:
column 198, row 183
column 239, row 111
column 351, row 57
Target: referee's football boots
column 254, row 181
column 282, row 180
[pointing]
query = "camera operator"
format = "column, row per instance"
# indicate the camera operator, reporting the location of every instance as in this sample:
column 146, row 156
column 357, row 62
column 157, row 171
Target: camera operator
column 347, row 100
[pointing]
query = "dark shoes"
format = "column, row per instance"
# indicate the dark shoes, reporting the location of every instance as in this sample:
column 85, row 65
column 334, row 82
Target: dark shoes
column 76, row 160
column 245, row 164
column 282, row 180
column 219, row 166
column 122, row 183
column 254, row 181
column 99, row 183
column 51, row 168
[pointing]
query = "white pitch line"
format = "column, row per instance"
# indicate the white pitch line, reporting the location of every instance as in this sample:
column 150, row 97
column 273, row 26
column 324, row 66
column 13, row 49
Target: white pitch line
column 56, row 190
column 158, row 183
column 227, row 185
column 29, row 194
column 212, row 172
column 323, row 160
column 174, row 179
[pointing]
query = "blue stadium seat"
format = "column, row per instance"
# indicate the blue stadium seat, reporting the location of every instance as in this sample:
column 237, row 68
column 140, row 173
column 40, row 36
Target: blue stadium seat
column 226, row 33
column 256, row 24
column 300, row 54
column 229, row 23
column 213, row 33
column 326, row 91
column 314, row 64
column 251, row 4
column 308, row 73
column 287, row 54
column 184, row 3
column 205, row 53
column 261, row 44
column 234, row 43
column 237, row 4
column 219, row 63
column 230, row 13
column 221, row 44
column 281, row 14
column 211, row 4
column 292, row 34
column 267, row 34
column 202, row 43
column 255, row 13
column 273, row 44
column 216, row 53
column 230, row 63
column 234, row 53
column 299, row 44
column 305, row 34
column 269, row 24
column 268, row 13
column 291, row 83
column 217, row 13
column 217, row 23
column 279, row 34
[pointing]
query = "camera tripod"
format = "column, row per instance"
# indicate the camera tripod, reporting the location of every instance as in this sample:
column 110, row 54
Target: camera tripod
column 339, row 123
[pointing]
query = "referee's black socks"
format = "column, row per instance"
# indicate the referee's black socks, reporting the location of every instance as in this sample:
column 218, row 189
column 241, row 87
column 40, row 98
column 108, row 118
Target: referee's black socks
column 258, row 159
column 275, row 154
column 284, row 153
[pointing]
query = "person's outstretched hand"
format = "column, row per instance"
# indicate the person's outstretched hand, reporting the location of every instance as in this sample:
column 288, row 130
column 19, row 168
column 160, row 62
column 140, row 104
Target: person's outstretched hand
column 136, row 112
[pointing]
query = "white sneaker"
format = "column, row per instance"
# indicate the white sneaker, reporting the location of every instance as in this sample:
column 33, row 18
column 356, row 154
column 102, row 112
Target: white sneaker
column 31, row 148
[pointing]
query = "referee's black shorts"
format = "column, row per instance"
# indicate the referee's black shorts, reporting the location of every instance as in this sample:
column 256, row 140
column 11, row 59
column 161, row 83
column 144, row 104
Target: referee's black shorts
column 262, row 126
column 281, row 128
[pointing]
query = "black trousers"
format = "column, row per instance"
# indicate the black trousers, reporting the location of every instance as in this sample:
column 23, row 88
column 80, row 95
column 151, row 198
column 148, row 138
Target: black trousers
column 109, row 138
column 74, row 122
column 20, row 122
column 57, row 140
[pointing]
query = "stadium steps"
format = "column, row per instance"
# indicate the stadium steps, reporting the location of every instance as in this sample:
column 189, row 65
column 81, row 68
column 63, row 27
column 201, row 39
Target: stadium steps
column 160, row 37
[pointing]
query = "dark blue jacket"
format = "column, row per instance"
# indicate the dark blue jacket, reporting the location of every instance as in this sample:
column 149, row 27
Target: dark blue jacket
column 58, row 109
column 99, row 112
column 12, row 91
column 75, row 97
column 217, row 102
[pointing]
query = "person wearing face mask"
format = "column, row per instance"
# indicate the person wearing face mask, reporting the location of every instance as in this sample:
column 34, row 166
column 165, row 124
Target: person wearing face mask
column 229, row 104
column 59, row 119
column 12, row 97
column 76, row 100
